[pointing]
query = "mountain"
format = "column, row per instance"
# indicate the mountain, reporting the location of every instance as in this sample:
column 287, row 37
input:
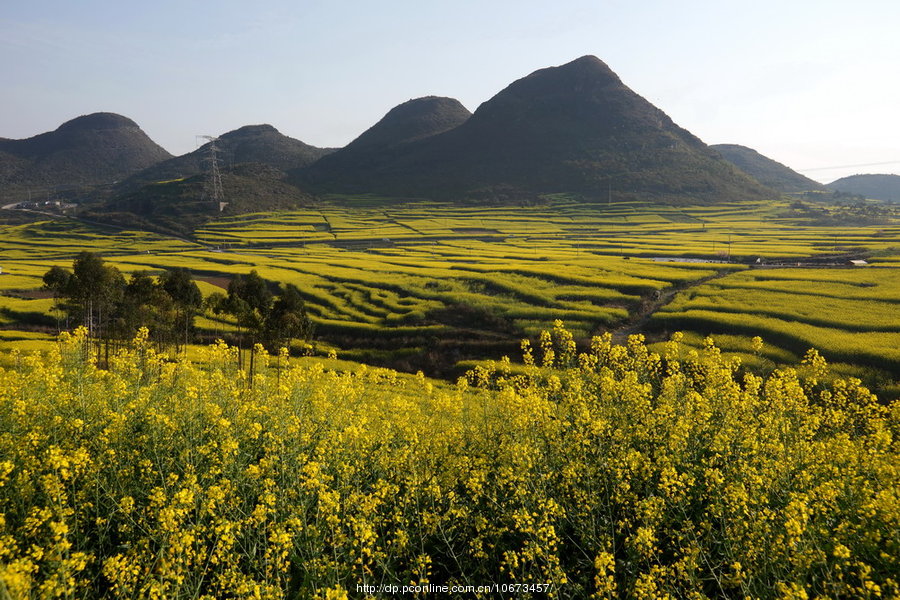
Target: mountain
column 572, row 128
column 411, row 121
column 765, row 170
column 404, row 124
column 878, row 187
column 179, row 206
column 93, row 149
column 171, row 196
column 249, row 144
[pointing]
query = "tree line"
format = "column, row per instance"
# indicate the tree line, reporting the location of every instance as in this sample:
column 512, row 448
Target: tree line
column 98, row 296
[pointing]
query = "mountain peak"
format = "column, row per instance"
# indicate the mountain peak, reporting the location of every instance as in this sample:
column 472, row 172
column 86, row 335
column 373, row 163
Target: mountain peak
column 582, row 76
column 96, row 122
column 91, row 149
column 413, row 120
column 587, row 65
column 248, row 130
column 584, row 92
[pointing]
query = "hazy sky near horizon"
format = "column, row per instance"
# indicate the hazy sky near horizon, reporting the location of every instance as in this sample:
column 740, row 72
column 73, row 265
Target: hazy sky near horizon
column 811, row 83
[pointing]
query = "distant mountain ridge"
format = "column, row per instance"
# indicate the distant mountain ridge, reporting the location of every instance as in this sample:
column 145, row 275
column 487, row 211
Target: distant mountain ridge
column 878, row 187
column 765, row 170
column 574, row 128
column 89, row 150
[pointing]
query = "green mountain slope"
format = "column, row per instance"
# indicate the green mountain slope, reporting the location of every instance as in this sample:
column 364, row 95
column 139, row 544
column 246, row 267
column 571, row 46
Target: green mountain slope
column 179, row 206
column 765, row 170
column 93, row 149
column 878, row 187
column 249, row 144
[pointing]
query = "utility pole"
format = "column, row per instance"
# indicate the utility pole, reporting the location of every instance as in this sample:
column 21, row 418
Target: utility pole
column 213, row 189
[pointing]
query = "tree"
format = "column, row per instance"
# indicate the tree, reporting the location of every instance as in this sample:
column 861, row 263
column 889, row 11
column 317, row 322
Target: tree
column 270, row 320
column 185, row 294
column 96, row 295
column 146, row 304
column 92, row 291
column 287, row 319
column 57, row 280
column 250, row 301
column 96, row 288
column 253, row 291
column 216, row 303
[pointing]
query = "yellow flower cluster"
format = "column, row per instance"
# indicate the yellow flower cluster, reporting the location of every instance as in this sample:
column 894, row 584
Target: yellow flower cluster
column 616, row 472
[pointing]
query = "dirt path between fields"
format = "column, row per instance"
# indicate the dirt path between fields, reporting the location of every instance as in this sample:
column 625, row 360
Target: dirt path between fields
column 637, row 320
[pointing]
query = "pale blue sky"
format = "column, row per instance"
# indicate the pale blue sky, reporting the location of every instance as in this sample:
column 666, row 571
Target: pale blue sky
column 808, row 83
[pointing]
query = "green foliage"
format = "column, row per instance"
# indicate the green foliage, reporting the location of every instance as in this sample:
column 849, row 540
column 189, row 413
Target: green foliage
column 287, row 319
column 273, row 321
column 96, row 295
column 147, row 304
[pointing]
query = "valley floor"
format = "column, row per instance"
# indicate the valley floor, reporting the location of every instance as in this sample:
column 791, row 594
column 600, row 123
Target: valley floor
column 437, row 287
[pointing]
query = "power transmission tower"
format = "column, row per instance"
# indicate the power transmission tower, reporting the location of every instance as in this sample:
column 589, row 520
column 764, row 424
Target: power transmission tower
column 213, row 189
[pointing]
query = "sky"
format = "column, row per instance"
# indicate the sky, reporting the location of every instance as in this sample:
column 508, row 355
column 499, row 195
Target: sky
column 810, row 83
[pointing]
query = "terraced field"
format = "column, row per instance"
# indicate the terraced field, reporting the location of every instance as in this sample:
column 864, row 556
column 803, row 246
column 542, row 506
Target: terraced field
column 850, row 315
column 423, row 286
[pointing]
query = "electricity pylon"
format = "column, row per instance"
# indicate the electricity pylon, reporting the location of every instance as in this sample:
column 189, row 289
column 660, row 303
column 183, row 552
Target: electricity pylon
column 213, row 189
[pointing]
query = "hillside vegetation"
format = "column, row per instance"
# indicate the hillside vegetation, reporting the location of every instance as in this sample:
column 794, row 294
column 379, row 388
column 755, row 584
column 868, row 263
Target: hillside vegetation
column 93, row 149
column 262, row 144
column 765, row 170
column 880, row 187
column 180, row 206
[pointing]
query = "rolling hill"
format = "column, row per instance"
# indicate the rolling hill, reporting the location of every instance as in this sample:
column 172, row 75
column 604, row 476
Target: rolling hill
column 179, row 206
column 411, row 121
column 878, row 187
column 573, row 128
column 172, row 197
column 90, row 150
column 765, row 170
column 261, row 144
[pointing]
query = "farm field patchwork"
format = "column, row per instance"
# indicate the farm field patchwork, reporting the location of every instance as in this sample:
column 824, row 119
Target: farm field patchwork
column 435, row 283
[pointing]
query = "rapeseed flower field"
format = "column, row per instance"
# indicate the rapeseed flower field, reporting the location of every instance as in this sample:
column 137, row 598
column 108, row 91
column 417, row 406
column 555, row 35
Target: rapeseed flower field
column 613, row 472
column 435, row 286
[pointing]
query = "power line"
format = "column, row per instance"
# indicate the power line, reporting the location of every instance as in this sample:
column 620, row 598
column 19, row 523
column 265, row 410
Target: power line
column 875, row 164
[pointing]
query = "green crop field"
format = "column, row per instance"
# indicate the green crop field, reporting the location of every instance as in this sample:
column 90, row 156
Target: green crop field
column 424, row 285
